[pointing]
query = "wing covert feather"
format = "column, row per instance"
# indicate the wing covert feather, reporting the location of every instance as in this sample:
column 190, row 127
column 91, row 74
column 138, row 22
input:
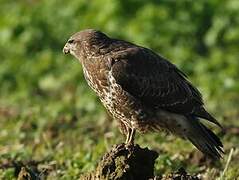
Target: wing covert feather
column 154, row 80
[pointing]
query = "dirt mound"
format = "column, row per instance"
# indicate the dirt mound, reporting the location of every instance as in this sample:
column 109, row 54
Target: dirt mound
column 131, row 163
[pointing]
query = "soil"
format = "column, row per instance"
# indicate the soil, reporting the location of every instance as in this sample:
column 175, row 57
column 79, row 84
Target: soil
column 131, row 163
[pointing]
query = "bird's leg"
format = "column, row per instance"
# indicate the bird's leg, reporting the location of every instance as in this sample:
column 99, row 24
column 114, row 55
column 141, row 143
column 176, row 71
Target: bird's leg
column 130, row 137
column 127, row 135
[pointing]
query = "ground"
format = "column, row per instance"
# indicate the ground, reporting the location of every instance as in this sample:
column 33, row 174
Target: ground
column 53, row 139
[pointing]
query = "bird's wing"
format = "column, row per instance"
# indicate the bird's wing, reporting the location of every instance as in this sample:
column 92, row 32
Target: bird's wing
column 156, row 82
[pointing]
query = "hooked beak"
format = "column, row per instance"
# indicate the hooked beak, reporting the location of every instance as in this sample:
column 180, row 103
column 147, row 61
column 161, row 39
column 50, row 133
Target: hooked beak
column 66, row 49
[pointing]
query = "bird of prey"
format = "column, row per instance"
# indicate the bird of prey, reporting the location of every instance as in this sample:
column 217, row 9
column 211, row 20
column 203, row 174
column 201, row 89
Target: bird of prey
column 142, row 90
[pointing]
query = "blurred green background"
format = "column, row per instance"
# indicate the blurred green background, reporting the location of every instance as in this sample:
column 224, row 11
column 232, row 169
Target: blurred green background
column 50, row 116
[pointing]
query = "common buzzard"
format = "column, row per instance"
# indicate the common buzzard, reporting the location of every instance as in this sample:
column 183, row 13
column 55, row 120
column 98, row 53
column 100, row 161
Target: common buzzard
column 142, row 90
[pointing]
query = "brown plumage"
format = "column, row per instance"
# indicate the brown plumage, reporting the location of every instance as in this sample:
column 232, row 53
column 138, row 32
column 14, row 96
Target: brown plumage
column 142, row 90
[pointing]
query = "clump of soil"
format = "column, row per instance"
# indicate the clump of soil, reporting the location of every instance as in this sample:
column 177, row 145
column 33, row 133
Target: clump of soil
column 125, row 163
column 181, row 174
column 28, row 170
column 131, row 163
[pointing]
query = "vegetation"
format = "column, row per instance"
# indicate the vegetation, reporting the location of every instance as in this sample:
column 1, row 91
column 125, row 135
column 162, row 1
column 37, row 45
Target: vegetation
column 53, row 124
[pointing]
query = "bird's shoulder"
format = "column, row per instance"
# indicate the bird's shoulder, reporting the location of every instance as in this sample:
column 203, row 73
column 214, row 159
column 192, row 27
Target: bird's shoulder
column 142, row 64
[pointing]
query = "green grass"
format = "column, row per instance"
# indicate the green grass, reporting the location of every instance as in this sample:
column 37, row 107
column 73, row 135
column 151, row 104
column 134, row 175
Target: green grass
column 67, row 138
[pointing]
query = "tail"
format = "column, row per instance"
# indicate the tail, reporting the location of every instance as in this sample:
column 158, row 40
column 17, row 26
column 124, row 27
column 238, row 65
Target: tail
column 202, row 113
column 203, row 138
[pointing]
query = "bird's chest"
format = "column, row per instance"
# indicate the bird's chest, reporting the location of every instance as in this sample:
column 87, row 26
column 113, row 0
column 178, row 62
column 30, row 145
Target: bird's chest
column 111, row 94
column 103, row 84
column 97, row 79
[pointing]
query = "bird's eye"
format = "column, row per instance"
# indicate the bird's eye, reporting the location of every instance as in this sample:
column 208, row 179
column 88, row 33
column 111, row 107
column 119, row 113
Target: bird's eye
column 71, row 41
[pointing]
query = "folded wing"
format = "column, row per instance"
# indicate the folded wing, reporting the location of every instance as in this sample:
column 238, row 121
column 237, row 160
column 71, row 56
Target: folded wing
column 157, row 83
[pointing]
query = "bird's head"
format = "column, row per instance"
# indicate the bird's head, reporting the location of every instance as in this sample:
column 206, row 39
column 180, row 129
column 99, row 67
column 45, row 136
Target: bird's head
column 84, row 42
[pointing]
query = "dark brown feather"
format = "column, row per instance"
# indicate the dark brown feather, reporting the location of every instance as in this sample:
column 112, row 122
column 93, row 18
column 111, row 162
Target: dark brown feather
column 155, row 81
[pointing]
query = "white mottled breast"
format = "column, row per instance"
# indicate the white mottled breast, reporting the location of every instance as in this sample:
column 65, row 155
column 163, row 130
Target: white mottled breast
column 89, row 80
column 113, row 97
